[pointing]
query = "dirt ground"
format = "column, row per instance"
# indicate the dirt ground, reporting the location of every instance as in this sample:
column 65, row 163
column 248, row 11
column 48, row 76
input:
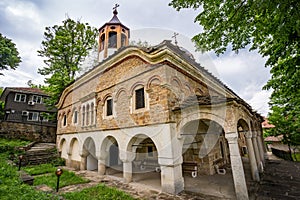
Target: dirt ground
column 280, row 180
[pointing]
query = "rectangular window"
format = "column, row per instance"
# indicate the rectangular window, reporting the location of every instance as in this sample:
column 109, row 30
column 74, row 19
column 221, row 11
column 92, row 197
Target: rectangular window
column 109, row 107
column 33, row 116
column 37, row 99
column 20, row 97
column 139, row 98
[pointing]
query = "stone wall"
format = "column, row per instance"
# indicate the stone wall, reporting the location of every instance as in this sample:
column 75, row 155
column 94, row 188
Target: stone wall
column 32, row 132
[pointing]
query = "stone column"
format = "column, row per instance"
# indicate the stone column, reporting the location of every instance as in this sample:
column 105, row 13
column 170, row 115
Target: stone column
column 127, row 158
column 83, row 162
column 261, row 147
column 127, row 171
column 171, row 175
column 237, row 167
column 69, row 160
column 253, row 165
column 256, row 151
column 101, row 167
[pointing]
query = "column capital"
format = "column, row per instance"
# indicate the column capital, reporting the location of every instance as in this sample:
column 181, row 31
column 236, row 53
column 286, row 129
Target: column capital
column 231, row 137
column 127, row 156
column 170, row 161
column 249, row 134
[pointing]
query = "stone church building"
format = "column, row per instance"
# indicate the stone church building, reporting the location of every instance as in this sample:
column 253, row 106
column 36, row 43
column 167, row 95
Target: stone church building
column 156, row 109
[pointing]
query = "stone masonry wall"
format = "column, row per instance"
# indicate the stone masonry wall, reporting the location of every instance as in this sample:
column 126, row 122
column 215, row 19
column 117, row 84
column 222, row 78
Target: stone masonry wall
column 37, row 133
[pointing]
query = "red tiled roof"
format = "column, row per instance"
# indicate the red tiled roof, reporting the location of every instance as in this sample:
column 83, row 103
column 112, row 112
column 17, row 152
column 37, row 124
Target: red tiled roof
column 265, row 124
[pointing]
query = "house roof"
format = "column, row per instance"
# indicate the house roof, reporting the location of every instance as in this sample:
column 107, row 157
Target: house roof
column 273, row 138
column 24, row 90
column 266, row 124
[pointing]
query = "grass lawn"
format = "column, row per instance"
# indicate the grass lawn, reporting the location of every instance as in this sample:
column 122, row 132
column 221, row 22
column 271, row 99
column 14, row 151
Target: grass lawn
column 39, row 169
column 96, row 193
column 11, row 186
column 67, row 178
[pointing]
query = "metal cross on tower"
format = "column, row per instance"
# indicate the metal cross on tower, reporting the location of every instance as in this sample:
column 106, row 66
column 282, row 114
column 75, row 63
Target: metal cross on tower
column 175, row 38
column 116, row 6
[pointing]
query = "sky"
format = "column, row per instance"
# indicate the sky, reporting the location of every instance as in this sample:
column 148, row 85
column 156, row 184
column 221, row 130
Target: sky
column 24, row 22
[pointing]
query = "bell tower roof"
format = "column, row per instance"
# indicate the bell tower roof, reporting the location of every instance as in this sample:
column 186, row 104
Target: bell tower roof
column 112, row 36
column 114, row 20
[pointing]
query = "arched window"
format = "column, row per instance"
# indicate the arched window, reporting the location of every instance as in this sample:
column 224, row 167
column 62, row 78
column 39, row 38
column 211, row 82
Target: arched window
column 65, row 120
column 87, row 114
column 139, row 98
column 112, row 39
column 92, row 114
column 83, row 116
column 123, row 40
column 102, row 40
column 75, row 117
column 108, row 107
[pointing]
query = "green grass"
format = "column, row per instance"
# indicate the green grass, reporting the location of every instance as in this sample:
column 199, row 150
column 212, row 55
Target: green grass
column 39, row 169
column 67, row 178
column 297, row 156
column 96, row 193
column 13, row 143
column 10, row 185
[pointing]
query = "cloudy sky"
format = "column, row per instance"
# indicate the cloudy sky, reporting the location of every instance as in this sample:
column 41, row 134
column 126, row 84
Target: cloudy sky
column 24, row 22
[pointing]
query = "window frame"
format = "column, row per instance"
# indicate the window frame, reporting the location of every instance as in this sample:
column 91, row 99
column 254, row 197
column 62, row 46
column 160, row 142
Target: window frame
column 64, row 120
column 18, row 97
column 32, row 114
column 105, row 108
column 36, row 100
column 134, row 109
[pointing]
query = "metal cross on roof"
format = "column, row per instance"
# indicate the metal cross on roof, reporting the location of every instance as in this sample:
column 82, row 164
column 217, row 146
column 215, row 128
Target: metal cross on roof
column 116, row 6
column 175, row 38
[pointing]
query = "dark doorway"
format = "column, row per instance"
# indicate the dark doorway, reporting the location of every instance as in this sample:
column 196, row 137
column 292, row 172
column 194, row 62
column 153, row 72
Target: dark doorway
column 113, row 155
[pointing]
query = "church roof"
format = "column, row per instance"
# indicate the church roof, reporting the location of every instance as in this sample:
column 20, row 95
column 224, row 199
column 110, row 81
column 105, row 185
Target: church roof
column 182, row 54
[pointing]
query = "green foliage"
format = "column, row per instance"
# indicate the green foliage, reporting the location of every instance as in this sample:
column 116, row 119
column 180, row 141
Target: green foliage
column 9, row 55
column 39, row 169
column 98, row 192
column 65, row 47
column 67, row 178
column 139, row 43
column 273, row 28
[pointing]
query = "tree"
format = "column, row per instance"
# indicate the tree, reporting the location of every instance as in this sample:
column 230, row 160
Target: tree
column 273, row 28
column 9, row 55
column 1, row 105
column 64, row 49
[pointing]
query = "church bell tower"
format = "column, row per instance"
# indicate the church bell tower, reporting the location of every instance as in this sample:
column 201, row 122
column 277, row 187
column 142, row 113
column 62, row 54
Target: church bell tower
column 112, row 36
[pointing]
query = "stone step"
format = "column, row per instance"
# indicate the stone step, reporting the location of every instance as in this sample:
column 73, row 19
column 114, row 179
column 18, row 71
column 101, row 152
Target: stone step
column 41, row 153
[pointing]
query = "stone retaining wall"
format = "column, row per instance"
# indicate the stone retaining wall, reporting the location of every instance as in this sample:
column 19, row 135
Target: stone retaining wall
column 32, row 132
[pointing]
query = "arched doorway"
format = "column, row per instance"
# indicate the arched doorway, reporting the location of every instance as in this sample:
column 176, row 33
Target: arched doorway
column 75, row 157
column 63, row 150
column 89, row 149
column 113, row 155
column 206, row 158
column 109, row 153
column 145, row 168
